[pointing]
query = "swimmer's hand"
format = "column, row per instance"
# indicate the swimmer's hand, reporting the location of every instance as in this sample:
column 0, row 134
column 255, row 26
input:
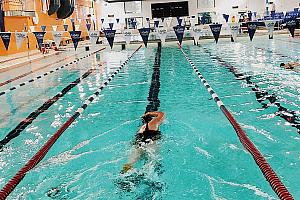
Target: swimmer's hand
column 126, row 168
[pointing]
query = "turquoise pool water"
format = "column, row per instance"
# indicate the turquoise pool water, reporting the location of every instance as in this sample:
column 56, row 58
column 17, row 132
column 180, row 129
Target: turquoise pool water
column 199, row 157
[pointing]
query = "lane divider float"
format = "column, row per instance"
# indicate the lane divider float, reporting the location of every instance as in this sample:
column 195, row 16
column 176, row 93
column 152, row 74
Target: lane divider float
column 260, row 94
column 11, row 185
column 277, row 186
column 32, row 116
column 30, row 72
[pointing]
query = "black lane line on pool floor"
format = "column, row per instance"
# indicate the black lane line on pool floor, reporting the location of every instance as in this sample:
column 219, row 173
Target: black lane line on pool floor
column 32, row 116
column 46, row 74
column 261, row 95
column 154, row 89
column 36, row 159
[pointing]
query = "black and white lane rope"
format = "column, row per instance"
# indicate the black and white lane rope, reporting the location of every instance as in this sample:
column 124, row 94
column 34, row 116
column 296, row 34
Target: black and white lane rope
column 261, row 95
column 274, row 181
column 32, row 116
column 46, row 74
column 36, row 159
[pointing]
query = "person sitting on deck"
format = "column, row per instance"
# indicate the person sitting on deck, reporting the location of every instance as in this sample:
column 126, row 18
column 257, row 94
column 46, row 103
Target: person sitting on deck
column 294, row 66
column 146, row 137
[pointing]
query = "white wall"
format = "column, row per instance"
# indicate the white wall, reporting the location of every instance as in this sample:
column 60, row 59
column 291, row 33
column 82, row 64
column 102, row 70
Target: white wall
column 286, row 5
column 222, row 7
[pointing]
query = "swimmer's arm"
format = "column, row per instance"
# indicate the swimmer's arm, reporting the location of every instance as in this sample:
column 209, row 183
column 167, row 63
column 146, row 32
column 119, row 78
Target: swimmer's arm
column 159, row 116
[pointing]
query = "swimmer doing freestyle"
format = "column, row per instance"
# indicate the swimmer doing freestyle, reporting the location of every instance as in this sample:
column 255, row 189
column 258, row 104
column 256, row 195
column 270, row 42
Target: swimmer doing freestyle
column 294, row 66
column 146, row 137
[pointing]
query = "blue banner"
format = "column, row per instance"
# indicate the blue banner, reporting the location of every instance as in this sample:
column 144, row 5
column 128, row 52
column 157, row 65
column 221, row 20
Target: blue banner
column 251, row 29
column 88, row 26
column 2, row 21
column 39, row 38
column 226, row 17
column 216, row 30
column 179, row 31
column 111, row 26
column 75, row 35
column 5, row 38
column 250, row 16
column 291, row 25
column 110, row 36
column 144, row 32
column 179, row 20
column 66, row 26
column 43, row 28
column 156, row 23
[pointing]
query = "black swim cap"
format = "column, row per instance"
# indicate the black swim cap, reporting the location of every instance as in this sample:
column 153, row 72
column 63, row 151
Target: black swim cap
column 282, row 64
column 147, row 118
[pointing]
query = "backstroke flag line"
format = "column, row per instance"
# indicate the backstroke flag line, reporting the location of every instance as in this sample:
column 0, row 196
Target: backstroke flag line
column 179, row 31
column 57, row 36
column 216, row 30
column 110, row 36
column 144, row 32
column 270, row 24
column 20, row 36
column 5, row 36
column 251, row 29
column 39, row 38
column 75, row 35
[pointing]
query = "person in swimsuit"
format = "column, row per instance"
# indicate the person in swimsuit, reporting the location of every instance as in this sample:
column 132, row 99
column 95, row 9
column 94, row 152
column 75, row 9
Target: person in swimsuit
column 294, row 66
column 146, row 137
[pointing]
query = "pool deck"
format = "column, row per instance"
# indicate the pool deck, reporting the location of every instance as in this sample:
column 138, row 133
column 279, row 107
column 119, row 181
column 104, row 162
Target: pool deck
column 34, row 60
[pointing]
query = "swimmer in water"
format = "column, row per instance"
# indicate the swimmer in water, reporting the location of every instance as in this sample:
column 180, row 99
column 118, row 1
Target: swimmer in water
column 146, row 137
column 293, row 66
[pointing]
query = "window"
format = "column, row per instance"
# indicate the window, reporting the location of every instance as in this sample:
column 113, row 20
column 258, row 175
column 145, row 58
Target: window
column 133, row 7
column 206, row 3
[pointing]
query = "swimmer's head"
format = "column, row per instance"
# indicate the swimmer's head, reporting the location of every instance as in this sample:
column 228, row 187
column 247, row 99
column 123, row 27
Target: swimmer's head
column 146, row 119
column 282, row 64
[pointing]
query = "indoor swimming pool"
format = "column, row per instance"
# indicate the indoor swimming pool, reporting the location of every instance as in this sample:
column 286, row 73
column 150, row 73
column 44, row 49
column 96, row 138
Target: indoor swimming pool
column 199, row 155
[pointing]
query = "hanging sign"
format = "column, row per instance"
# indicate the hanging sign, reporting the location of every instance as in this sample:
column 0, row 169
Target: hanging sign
column 94, row 35
column 39, row 38
column 75, row 35
column 127, row 36
column 144, row 32
column 251, row 29
column 291, row 24
column 5, row 36
column 216, row 30
column 234, row 29
column 196, row 33
column 110, row 36
column 20, row 36
column 57, row 36
column 179, row 31
column 270, row 24
column 162, row 33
